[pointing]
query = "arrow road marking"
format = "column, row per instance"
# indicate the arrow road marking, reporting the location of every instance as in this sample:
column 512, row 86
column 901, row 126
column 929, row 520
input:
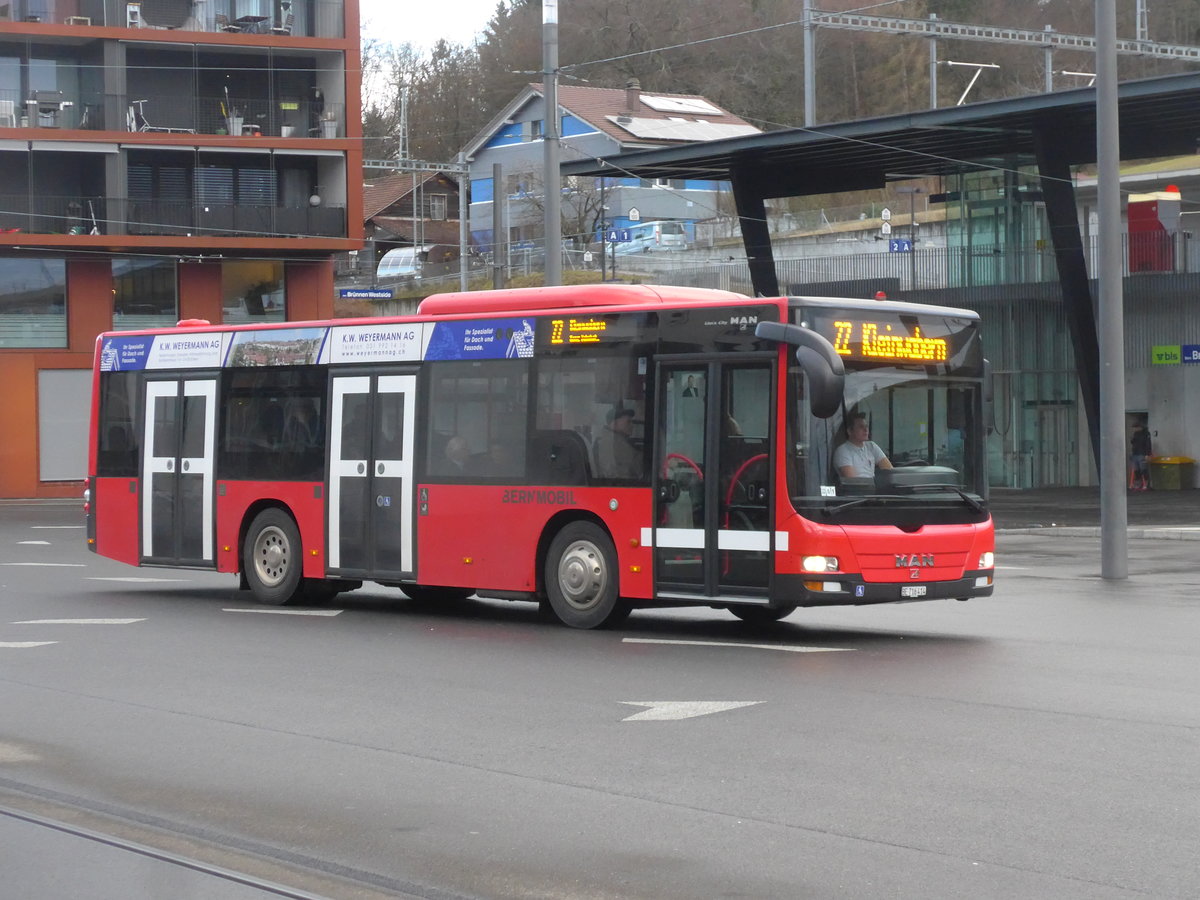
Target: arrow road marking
column 33, row 543
column 785, row 647
column 289, row 612
column 670, row 710
column 21, row 645
column 79, row 621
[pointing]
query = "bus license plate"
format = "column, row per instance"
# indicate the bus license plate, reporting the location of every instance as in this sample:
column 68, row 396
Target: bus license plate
column 912, row 590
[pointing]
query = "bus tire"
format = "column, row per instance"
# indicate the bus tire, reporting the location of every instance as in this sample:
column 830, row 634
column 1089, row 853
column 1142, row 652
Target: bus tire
column 581, row 577
column 762, row 615
column 271, row 558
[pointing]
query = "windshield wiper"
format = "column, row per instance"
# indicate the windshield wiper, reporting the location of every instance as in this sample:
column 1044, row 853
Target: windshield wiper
column 857, row 501
column 967, row 498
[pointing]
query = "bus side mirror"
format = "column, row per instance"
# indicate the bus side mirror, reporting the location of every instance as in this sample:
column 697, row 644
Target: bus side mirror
column 818, row 359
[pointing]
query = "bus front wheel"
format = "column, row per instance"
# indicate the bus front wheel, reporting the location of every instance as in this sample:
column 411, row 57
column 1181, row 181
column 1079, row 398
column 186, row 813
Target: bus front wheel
column 761, row 615
column 271, row 558
column 581, row 577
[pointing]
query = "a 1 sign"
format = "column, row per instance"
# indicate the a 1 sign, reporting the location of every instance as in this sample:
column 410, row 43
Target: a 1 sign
column 618, row 235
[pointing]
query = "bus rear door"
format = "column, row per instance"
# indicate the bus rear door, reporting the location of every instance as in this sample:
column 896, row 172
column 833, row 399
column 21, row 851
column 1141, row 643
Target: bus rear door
column 713, row 535
column 370, row 510
column 177, row 471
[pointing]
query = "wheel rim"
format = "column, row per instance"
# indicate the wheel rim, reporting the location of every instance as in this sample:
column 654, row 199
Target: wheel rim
column 272, row 556
column 582, row 576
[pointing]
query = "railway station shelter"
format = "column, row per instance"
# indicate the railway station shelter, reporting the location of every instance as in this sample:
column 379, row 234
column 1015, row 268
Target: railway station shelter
column 1008, row 168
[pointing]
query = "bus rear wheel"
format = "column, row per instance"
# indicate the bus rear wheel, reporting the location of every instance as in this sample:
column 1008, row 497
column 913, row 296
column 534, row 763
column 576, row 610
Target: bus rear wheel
column 581, row 577
column 271, row 558
column 762, row 615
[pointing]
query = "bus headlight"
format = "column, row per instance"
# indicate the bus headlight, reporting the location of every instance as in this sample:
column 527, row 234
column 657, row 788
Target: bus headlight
column 987, row 560
column 819, row 564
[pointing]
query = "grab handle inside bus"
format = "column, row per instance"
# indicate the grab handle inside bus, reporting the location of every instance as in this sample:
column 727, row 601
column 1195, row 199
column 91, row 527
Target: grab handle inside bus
column 818, row 359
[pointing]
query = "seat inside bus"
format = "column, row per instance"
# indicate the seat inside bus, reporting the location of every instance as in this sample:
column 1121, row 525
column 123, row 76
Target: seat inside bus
column 558, row 457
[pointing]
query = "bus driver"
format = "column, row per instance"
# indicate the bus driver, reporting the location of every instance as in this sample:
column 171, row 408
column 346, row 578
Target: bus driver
column 859, row 456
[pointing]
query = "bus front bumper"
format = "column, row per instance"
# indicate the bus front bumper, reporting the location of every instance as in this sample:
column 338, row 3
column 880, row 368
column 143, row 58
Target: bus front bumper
column 851, row 590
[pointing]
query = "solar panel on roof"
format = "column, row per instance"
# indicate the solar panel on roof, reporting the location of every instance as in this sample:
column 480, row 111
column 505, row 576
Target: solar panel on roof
column 679, row 129
column 681, row 104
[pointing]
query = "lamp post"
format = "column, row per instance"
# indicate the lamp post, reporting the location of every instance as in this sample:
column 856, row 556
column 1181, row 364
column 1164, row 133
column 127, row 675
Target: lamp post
column 553, row 200
column 912, row 191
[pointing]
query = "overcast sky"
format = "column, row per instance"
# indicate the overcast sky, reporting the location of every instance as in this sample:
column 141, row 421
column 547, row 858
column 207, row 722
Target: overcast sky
column 410, row 21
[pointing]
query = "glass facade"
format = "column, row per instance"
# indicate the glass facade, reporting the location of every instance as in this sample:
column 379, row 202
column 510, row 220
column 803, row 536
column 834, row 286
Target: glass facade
column 144, row 294
column 33, row 305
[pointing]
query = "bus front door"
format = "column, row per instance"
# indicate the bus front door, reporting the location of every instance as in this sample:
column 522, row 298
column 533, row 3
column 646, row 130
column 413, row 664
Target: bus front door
column 177, row 471
column 713, row 535
column 370, row 506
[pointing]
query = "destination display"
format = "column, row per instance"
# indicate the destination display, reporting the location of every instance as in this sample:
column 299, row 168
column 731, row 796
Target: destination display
column 867, row 337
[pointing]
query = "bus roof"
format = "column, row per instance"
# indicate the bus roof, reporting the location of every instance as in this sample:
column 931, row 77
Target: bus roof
column 898, row 306
column 516, row 300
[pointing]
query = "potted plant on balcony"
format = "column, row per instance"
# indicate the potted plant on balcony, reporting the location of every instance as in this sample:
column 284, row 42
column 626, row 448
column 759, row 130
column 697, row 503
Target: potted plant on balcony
column 233, row 116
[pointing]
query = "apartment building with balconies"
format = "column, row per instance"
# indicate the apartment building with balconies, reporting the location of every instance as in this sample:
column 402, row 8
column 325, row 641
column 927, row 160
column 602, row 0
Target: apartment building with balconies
column 161, row 160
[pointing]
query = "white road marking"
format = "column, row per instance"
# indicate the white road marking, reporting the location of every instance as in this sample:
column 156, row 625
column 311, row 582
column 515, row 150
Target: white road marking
column 290, row 612
column 50, row 527
column 79, row 621
column 14, row 753
column 33, row 543
column 48, row 565
column 21, row 645
column 134, row 579
column 785, row 647
column 671, row 710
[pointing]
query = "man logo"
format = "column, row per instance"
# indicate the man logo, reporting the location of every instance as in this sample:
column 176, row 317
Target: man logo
column 905, row 561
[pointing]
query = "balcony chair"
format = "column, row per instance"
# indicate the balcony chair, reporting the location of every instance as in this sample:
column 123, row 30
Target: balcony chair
column 223, row 23
column 286, row 27
column 8, row 113
column 137, row 121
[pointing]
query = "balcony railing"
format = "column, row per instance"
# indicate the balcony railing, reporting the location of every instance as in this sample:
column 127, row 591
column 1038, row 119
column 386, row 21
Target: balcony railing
column 281, row 18
column 26, row 214
column 172, row 114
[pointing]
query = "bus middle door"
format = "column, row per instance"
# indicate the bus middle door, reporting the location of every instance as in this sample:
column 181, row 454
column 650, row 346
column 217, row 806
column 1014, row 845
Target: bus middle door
column 373, row 419
column 177, row 471
column 713, row 520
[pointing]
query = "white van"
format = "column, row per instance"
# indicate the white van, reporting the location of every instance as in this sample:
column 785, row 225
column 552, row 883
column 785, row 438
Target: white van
column 648, row 237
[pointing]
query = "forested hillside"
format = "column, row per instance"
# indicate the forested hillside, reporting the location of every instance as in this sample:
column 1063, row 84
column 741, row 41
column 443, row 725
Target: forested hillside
column 746, row 55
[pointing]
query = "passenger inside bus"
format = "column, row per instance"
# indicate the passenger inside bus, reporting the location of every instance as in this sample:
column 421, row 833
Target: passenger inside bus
column 616, row 454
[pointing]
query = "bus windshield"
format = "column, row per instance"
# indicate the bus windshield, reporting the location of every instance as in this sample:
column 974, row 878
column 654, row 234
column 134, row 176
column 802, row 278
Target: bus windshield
column 927, row 428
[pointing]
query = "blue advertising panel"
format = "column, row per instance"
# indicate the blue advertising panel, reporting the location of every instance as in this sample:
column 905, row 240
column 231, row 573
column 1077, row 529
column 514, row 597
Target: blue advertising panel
column 1190, row 353
column 480, row 339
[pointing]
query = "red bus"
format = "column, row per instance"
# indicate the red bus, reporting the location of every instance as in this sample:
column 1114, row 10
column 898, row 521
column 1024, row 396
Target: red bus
column 596, row 449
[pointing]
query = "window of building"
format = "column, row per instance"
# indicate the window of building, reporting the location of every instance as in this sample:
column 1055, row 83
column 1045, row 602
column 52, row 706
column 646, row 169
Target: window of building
column 144, row 294
column 33, row 303
column 252, row 291
column 437, row 207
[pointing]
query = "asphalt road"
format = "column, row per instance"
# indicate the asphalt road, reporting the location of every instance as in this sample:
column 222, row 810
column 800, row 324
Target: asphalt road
column 1039, row 744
